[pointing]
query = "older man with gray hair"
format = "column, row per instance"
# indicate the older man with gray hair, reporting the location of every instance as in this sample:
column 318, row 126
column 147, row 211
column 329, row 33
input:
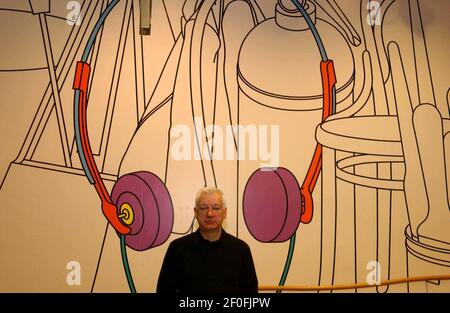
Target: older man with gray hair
column 209, row 260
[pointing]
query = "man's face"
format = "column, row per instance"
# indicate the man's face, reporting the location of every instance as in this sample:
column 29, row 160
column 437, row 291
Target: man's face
column 210, row 213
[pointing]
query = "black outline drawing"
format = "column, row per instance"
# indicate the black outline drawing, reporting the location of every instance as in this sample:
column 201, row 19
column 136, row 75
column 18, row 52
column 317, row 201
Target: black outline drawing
column 384, row 97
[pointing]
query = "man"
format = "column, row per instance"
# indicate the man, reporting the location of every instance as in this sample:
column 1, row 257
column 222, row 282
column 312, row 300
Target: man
column 208, row 260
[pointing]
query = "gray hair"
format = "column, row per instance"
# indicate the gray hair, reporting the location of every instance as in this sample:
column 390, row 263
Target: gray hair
column 209, row 191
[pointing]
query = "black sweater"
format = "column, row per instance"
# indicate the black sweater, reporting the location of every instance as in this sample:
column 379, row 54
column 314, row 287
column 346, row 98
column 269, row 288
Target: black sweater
column 195, row 265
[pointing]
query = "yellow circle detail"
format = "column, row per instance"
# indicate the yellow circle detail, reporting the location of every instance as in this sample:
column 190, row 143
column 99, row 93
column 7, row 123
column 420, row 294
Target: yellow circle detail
column 126, row 213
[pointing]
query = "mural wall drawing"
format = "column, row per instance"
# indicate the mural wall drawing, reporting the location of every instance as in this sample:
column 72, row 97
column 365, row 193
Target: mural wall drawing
column 325, row 123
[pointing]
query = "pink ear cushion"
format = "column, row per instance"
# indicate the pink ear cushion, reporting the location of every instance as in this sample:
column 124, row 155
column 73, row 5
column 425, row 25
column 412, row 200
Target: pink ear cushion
column 272, row 205
column 152, row 209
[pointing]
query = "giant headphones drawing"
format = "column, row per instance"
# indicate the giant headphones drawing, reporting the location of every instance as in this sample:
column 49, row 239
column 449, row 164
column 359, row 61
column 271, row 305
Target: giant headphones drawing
column 140, row 207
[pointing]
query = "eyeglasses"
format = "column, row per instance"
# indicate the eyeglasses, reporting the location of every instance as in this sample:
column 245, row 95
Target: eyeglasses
column 204, row 209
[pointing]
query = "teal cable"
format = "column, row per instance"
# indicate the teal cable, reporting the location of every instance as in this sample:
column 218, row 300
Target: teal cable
column 126, row 266
column 287, row 265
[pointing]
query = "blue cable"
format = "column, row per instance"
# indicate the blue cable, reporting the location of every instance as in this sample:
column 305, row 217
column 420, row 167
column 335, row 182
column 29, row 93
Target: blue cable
column 313, row 28
column 87, row 51
column 96, row 29
column 320, row 45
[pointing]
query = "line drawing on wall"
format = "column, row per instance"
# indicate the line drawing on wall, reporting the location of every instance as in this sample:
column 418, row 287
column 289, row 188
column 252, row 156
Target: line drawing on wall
column 148, row 101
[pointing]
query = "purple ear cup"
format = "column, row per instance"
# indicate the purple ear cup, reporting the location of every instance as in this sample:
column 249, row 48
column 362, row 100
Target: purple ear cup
column 272, row 204
column 144, row 204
